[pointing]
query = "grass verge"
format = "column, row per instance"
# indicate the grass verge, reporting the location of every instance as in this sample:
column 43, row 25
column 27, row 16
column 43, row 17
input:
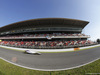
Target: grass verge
column 10, row 69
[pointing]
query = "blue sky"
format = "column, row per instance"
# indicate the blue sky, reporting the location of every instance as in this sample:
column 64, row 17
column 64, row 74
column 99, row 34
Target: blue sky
column 18, row 10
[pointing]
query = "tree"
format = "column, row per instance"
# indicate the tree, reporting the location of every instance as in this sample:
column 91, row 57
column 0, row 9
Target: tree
column 98, row 40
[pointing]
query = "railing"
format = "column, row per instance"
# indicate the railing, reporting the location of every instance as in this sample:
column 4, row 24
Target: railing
column 50, row 47
column 46, row 37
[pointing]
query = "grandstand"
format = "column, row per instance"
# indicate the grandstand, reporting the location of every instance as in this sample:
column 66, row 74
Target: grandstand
column 45, row 33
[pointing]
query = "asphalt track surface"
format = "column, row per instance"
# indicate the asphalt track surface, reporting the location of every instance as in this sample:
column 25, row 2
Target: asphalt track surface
column 51, row 61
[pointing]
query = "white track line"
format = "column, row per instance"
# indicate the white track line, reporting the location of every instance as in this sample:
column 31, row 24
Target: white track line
column 48, row 69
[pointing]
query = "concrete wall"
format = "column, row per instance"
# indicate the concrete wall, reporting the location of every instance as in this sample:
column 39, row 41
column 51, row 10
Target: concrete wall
column 49, row 50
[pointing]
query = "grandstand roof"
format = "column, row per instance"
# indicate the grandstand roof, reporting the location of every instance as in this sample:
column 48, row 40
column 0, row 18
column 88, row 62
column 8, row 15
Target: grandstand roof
column 45, row 22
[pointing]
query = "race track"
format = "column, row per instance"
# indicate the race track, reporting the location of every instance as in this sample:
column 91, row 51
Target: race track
column 51, row 61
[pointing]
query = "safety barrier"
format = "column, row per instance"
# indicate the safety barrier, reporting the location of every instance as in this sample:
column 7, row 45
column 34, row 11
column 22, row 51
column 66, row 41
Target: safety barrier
column 50, row 50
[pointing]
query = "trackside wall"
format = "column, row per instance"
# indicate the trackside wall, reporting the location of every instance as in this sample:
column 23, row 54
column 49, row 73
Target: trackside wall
column 49, row 50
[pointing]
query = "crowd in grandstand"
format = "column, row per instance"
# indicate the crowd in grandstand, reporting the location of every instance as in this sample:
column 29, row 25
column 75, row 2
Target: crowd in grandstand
column 42, row 35
column 47, row 44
